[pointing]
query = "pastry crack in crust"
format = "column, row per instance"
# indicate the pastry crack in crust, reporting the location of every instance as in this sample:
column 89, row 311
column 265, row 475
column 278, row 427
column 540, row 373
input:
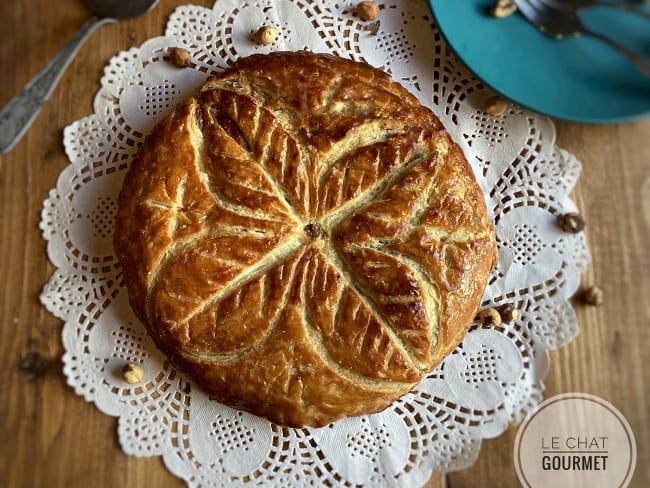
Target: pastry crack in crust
column 303, row 239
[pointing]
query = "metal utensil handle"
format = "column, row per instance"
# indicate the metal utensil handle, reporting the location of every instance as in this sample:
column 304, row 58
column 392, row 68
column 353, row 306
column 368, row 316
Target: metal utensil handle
column 578, row 5
column 18, row 114
column 630, row 7
column 641, row 63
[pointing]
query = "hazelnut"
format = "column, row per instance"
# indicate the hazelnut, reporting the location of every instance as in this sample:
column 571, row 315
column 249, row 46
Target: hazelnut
column 368, row 10
column 489, row 317
column 179, row 57
column 503, row 8
column 496, row 106
column 267, row 34
column 594, row 295
column 132, row 373
column 571, row 222
column 508, row 313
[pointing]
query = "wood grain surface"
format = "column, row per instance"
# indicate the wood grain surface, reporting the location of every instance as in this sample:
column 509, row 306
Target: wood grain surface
column 50, row 437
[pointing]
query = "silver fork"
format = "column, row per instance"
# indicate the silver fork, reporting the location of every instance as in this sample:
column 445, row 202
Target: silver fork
column 576, row 5
column 561, row 23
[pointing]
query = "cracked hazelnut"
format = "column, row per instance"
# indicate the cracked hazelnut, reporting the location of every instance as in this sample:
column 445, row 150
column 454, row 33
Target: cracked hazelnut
column 132, row 373
column 179, row 57
column 489, row 317
column 368, row 10
column 571, row 222
column 267, row 34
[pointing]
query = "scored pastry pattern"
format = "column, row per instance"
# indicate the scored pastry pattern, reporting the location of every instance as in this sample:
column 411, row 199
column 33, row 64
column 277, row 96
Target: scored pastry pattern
column 440, row 424
column 342, row 236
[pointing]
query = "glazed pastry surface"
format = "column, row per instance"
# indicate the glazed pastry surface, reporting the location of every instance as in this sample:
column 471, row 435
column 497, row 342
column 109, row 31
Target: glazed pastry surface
column 303, row 239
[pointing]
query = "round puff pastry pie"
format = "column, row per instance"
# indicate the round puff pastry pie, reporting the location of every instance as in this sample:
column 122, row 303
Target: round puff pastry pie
column 303, row 239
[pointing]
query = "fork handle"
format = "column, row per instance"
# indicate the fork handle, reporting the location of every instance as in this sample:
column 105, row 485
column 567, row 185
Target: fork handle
column 18, row 114
column 641, row 63
column 630, row 7
column 579, row 6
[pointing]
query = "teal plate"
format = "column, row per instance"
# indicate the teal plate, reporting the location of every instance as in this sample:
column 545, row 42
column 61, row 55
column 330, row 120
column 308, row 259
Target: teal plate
column 578, row 79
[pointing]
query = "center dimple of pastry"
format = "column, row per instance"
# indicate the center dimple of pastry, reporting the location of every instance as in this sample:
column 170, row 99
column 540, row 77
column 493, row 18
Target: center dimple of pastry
column 313, row 230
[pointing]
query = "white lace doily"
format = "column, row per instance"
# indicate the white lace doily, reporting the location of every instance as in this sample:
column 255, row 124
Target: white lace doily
column 492, row 379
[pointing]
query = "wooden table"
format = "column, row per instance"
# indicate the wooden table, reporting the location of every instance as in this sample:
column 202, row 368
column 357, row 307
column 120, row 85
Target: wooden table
column 51, row 437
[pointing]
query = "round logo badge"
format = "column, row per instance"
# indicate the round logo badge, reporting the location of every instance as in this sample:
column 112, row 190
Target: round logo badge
column 576, row 440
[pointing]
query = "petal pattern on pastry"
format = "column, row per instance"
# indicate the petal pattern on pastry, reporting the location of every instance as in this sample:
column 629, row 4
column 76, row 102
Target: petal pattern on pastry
column 347, row 326
column 263, row 140
column 225, row 328
column 354, row 172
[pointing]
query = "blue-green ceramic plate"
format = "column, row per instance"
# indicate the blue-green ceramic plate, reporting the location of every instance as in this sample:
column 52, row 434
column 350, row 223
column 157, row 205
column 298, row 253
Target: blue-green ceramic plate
column 578, row 79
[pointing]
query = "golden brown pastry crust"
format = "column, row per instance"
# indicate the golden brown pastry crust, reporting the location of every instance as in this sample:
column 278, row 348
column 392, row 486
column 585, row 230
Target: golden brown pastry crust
column 303, row 238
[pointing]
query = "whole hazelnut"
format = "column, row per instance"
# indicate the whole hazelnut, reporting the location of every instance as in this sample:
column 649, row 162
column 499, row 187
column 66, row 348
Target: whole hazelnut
column 594, row 295
column 179, row 57
column 503, row 8
column 368, row 10
column 571, row 222
column 132, row 373
column 488, row 317
column 267, row 34
column 496, row 106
